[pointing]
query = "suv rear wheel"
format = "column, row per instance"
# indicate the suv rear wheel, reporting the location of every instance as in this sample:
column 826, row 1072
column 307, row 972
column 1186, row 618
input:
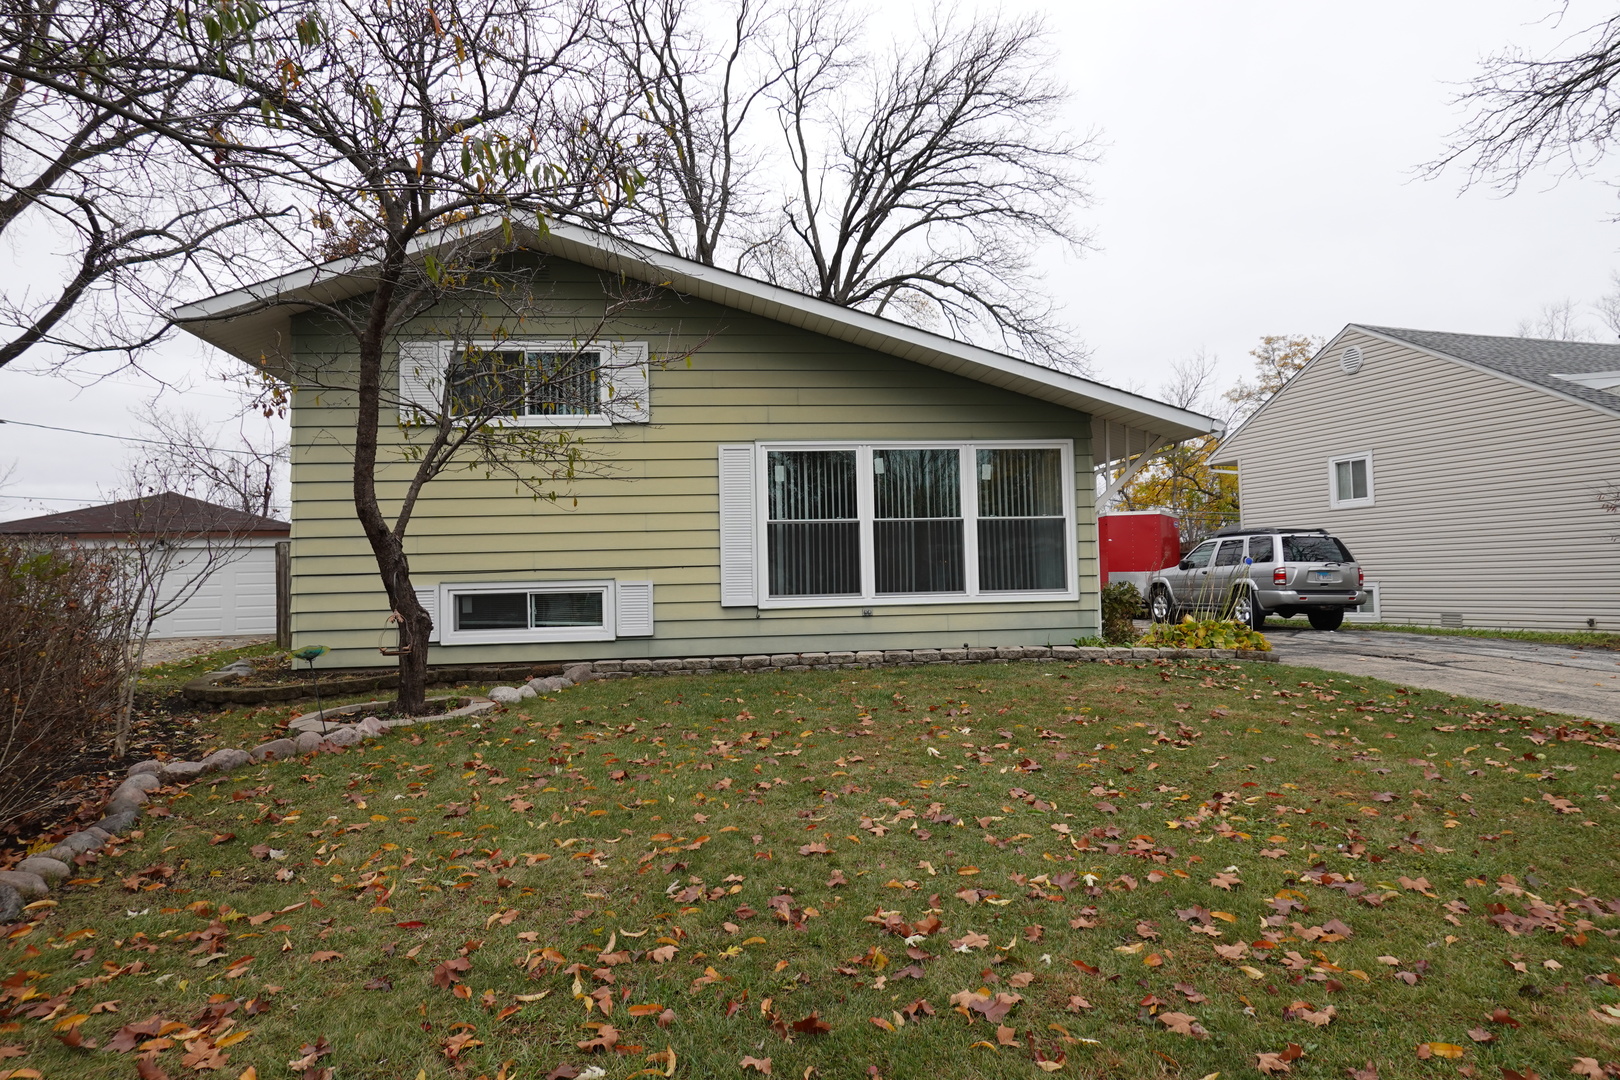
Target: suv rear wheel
column 1159, row 605
column 1246, row 611
column 1326, row 618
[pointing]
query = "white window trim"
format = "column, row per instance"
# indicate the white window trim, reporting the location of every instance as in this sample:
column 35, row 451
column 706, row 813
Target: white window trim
column 449, row 635
column 868, row 596
column 1336, row 503
column 616, row 355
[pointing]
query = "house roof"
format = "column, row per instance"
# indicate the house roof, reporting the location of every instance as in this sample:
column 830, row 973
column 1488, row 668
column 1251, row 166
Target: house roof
column 1536, row 361
column 168, row 514
column 255, row 323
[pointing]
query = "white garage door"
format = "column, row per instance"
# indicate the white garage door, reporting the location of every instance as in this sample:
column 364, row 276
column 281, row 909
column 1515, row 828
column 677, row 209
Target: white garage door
column 237, row 598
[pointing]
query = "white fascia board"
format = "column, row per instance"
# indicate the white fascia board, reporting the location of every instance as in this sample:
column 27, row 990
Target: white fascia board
column 232, row 320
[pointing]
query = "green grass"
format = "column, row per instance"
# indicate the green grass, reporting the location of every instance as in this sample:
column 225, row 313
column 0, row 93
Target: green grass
column 1582, row 639
column 482, row 887
column 160, row 679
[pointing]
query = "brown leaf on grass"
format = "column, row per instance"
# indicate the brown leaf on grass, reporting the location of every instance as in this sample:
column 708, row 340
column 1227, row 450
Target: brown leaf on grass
column 1183, row 1024
column 1514, row 1074
column 606, row 1036
column 818, row 848
column 1368, row 1071
column 1021, row 979
column 312, row 1052
column 1076, row 1003
column 836, row 878
column 970, row 940
column 1588, row 1067
column 1271, row 1064
column 1007, row 1036
column 663, row 954
column 762, row 1065
column 324, row 957
column 1232, row 952
column 14, row 1050
column 451, row 971
column 379, row 983
column 147, row 1068
column 1225, row 881
column 1501, row 1016
column 811, row 1025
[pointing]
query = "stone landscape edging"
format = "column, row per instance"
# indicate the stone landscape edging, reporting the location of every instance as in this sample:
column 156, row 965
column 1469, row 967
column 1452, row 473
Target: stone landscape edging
column 35, row 877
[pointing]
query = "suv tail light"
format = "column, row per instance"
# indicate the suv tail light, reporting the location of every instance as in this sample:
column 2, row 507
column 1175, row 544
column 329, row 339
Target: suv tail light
column 1279, row 576
column 1361, row 576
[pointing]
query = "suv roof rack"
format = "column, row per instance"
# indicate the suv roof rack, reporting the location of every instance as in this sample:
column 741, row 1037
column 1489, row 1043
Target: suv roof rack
column 1248, row 531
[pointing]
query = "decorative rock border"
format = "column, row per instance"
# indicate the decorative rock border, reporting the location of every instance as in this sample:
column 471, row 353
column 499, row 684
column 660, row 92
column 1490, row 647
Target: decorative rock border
column 35, row 877
column 837, row 661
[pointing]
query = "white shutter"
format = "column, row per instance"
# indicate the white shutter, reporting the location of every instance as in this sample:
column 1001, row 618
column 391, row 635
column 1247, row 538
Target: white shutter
column 429, row 599
column 627, row 397
column 633, row 616
column 422, row 366
column 738, row 521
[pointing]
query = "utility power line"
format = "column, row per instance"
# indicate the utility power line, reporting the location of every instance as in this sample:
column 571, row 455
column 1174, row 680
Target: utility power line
column 125, row 438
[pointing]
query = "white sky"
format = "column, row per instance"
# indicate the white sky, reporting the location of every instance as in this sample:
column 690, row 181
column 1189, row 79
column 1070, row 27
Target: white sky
column 1260, row 177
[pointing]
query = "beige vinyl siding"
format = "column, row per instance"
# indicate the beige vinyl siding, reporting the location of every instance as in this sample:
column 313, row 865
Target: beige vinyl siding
column 1484, row 488
column 657, row 517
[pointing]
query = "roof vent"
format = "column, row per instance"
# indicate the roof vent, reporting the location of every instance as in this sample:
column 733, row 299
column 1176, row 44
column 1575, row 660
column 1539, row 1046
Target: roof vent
column 1350, row 360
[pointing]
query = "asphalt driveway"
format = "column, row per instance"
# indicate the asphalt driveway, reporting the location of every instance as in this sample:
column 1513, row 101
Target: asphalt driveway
column 1583, row 682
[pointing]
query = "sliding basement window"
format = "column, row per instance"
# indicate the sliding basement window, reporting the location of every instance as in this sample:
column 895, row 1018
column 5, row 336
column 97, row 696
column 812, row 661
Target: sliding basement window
column 915, row 523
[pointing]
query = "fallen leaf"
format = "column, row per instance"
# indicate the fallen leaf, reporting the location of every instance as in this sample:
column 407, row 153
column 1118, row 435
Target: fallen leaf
column 757, row 1064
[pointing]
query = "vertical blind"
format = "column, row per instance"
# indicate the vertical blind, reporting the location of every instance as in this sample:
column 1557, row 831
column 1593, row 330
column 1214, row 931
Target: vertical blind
column 813, row 529
column 918, row 524
column 917, row 543
column 502, row 382
column 1021, row 520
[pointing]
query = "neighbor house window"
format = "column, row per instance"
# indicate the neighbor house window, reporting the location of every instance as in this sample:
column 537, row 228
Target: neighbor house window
column 1350, row 481
column 560, row 611
column 910, row 523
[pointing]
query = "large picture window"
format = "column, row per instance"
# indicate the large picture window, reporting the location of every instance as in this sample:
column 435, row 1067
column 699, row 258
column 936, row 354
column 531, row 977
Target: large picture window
column 916, row 523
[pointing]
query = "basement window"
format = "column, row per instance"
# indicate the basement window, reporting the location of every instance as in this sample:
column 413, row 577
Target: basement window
column 499, row 613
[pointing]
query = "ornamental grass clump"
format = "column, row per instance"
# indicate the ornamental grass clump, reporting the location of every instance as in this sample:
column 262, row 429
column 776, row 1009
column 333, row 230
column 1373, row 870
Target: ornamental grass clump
column 1192, row 633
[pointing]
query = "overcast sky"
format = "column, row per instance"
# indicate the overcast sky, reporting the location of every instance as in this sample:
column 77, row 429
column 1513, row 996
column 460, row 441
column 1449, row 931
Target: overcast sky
column 1260, row 177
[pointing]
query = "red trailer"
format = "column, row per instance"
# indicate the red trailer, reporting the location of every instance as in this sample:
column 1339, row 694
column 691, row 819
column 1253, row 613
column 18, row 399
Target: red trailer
column 1132, row 544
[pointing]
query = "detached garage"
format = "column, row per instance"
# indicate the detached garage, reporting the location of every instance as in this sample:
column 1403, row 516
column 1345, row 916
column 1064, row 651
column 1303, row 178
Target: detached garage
column 239, row 595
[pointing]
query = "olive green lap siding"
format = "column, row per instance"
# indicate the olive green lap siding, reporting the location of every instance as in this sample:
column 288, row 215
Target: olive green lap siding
column 655, row 514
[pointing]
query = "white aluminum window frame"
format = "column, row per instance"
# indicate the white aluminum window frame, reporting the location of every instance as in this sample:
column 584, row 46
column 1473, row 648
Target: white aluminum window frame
column 1336, row 503
column 450, row 635
column 615, row 357
column 865, row 506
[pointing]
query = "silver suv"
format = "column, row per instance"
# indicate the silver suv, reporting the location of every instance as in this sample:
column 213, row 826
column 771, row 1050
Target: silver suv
column 1247, row 574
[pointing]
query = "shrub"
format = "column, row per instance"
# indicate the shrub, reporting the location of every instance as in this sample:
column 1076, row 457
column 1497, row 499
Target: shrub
column 61, row 665
column 1208, row 634
column 1120, row 604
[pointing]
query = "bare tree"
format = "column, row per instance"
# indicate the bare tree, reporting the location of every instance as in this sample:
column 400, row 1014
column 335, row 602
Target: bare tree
column 1180, row 479
column 418, row 141
column 86, row 175
column 1555, row 322
column 1608, row 305
column 245, row 477
column 1530, row 111
column 168, row 547
column 923, row 183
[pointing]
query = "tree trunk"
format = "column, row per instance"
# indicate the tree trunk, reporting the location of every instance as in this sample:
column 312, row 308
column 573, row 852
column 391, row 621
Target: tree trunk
column 414, row 629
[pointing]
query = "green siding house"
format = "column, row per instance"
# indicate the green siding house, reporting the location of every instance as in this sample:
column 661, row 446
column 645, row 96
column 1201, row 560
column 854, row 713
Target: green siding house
column 809, row 479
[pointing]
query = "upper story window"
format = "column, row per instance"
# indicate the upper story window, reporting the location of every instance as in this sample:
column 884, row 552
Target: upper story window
column 526, row 383
column 512, row 382
column 910, row 523
column 1350, row 481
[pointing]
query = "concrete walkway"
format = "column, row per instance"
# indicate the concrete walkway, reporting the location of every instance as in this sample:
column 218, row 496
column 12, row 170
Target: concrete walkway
column 1556, row 678
column 167, row 650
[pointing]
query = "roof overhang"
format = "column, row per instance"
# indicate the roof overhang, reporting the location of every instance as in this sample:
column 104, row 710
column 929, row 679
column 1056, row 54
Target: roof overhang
column 254, row 323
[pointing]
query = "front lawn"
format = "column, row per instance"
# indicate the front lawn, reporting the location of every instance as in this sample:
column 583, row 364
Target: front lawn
column 1090, row 870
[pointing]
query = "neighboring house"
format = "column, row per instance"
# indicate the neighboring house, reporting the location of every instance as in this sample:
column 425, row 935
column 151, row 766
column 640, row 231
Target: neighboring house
column 1462, row 471
column 239, row 596
column 813, row 479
